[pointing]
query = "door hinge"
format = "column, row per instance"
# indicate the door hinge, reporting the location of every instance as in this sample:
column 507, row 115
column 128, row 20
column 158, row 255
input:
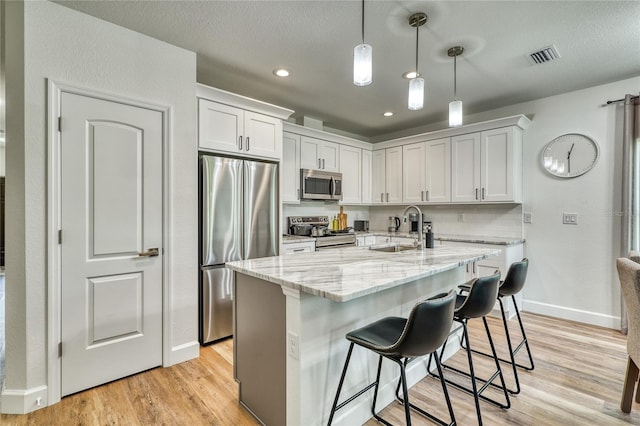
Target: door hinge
column 59, row 236
column 60, row 350
column 60, row 123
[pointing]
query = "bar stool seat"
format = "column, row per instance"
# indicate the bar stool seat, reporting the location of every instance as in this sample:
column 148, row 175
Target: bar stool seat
column 400, row 339
column 512, row 285
column 477, row 303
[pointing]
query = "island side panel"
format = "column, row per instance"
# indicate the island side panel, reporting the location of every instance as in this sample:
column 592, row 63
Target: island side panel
column 260, row 348
column 321, row 325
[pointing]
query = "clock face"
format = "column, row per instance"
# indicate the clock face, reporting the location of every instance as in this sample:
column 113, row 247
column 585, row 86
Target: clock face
column 570, row 155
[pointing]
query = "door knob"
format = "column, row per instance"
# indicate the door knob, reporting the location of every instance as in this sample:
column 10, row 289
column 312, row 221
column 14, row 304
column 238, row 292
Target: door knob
column 152, row 252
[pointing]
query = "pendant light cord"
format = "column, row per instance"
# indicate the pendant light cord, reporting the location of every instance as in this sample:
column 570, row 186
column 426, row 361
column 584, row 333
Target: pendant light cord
column 455, row 78
column 362, row 21
column 417, row 41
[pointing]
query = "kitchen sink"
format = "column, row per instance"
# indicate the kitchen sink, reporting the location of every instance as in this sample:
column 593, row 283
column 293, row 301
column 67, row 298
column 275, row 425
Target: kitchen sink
column 393, row 248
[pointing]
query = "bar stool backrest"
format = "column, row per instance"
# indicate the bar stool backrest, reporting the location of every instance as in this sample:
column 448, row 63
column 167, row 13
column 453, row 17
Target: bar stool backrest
column 481, row 298
column 629, row 274
column 427, row 327
column 516, row 276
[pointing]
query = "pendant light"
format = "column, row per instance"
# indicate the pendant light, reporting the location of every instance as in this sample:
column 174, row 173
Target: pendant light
column 455, row 106
column 362, row 60
column 416, row 84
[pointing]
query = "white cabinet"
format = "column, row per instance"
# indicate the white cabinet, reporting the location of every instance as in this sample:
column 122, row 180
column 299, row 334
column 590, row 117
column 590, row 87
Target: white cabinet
column 229, row 129
column 318, row 154
column 351, row 169
column 487, row 166
column 387, row 176
column 365, row 240
column 301, row 247
column 290, row 169
column 366, row 176
column 426, row 172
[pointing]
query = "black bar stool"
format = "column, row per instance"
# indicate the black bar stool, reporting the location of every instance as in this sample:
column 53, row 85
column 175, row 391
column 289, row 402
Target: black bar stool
column 481, row 297
column 398, row 339
column 512, row 285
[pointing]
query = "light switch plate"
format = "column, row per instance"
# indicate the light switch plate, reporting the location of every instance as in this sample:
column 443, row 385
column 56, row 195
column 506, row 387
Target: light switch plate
column 570, row 218
column 293, row 345
column 526, row 217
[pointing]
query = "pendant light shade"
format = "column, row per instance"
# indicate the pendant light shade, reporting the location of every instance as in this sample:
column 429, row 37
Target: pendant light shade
column 455, row 106
column 362, row 65
column 416, row 93
column 416, row 85
column 455, row 113
column 362, row 60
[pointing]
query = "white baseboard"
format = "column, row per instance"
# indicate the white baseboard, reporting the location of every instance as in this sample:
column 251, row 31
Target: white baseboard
column 23, row 401
column 184, row 352
column 572, row 314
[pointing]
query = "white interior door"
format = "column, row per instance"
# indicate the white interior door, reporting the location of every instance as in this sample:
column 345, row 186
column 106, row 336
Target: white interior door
column 111, row 250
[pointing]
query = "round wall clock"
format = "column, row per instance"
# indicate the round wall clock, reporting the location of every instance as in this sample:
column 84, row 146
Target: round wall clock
column 570, row 155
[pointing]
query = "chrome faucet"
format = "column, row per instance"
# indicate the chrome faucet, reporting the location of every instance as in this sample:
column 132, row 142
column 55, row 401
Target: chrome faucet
column 420, row 220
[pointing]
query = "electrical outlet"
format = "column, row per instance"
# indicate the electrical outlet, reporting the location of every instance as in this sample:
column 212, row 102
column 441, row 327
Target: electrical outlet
column 526, row 217
column 293, row 345
column 460, row 217
column 570, row 218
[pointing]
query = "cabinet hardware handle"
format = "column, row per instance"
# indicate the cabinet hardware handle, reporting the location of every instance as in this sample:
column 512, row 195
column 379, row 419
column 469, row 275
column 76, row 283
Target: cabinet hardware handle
column 240, row 143
column 474, row 267
column 323, row 164
column 298, row 249
column 467, row 268
column 381, row 197
column 387, row 197
column 319, row 163
column 298, row 192
column 152, row 252
column 247, row 143
column 427, row 195
column 476, row 193
column 421, row 195
column 483, row 193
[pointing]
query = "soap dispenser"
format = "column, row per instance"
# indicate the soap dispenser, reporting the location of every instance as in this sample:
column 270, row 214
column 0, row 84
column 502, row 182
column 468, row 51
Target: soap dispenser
column 429, row 235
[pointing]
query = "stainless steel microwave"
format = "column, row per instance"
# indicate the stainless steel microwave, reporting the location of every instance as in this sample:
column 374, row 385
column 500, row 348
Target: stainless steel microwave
column 320, row 185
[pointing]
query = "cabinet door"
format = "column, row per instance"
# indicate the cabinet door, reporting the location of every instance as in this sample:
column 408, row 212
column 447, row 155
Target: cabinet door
column 378, row 176
column 262, row 135
column 413, row 173
column 290, row 168
column 465, row 168
column 497, row 156
column 330, row 156
column 438, row 171
column 220, row 127
column 366, row 177
column 310, row 153
column 393, row 181
column 351, row 169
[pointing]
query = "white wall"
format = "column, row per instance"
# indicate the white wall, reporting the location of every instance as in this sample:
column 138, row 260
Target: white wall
column 73, row 48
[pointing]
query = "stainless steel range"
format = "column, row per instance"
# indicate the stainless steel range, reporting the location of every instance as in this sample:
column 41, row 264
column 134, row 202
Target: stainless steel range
column 318, row 226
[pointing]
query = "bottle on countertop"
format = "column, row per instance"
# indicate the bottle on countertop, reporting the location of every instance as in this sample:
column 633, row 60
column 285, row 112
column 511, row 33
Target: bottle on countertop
column 334, row 223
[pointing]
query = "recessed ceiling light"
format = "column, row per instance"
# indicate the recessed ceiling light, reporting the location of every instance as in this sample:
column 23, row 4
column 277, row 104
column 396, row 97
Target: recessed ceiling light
column 410, row 74
column 388, row 114
column 281, row 72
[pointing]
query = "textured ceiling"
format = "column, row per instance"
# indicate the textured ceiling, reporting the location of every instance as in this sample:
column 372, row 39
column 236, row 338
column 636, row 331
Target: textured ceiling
column 239, row 43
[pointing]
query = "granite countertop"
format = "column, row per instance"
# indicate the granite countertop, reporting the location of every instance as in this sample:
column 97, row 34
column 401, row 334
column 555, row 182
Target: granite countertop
column 345, row 274
column 450, row 237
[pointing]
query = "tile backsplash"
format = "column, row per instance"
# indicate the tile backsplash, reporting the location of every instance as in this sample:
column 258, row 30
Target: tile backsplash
column 319, row 208
column 495, row 220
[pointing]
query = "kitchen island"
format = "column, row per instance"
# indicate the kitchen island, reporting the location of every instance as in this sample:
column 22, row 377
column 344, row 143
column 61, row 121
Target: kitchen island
column 292, row 313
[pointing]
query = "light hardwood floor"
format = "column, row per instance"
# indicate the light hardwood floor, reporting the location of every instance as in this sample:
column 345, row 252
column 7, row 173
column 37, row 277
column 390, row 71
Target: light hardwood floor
column 577, row 381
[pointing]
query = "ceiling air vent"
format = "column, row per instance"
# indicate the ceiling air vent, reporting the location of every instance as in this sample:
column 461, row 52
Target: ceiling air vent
column 546, row 54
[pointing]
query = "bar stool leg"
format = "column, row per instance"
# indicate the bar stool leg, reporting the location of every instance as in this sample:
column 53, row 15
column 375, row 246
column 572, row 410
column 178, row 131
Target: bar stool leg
column 524, row 337
column 344, row 372
column 497, row 362
column 473, row 375
column 510, row 347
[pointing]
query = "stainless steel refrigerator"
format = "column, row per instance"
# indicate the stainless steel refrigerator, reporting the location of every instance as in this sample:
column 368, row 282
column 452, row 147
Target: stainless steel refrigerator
column 238, row 220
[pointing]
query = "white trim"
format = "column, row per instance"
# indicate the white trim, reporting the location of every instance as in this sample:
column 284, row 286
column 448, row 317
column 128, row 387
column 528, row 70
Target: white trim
column 515, row 120
column 23, row 401
column 54, row 91
column 579, row 315
column 182, row 353
column 232, row 99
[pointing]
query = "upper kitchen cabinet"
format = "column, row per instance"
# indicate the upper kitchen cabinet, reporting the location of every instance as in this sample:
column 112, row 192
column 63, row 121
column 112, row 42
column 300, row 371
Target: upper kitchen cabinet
column 319, row 154
column 351, row 169
column 237, row 125
column 290, row 169
column 487, row 166
column 366, row 176
column 426, row 172
column 386, row 182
